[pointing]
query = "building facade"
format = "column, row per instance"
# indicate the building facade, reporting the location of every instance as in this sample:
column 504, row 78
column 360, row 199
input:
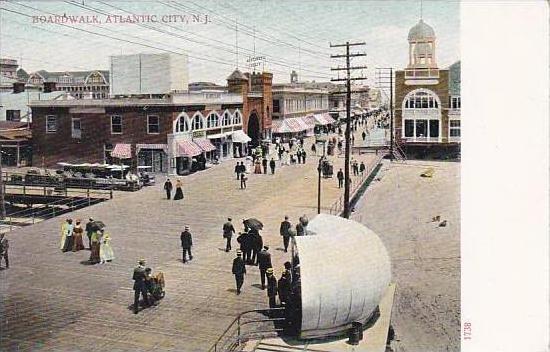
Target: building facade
column 8, row 68
column 167, row 134
column 256, row 92
column 427, row 99
column 79, row 84
column 291, row 100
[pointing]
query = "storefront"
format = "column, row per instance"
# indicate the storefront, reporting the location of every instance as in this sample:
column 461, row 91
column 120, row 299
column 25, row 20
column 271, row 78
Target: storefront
column 240, row 143
column 223, row 145
column 154, row 156
column 186, row 150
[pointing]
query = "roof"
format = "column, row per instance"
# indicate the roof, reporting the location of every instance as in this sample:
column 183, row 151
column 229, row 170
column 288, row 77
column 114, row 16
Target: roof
column 421, row 32
column 339, row 284
column 237, row 75
column 22, row 74
column 16, row 134
column 6, row 125
column 77, row 75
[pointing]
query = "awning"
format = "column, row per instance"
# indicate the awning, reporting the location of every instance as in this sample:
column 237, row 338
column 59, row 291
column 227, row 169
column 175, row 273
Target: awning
column 187, row 148
column 122, row 151
column 163, row 147
column 324, row 119
column 219, row 135
column 240, row 137
column 309, row 121
column 290, row 125
column 205, row 144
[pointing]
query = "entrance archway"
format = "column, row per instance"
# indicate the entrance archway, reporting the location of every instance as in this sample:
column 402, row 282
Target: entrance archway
column 254, row 129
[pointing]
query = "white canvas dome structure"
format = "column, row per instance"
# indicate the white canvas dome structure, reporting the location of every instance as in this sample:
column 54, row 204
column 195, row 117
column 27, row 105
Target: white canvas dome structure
column 344, row 271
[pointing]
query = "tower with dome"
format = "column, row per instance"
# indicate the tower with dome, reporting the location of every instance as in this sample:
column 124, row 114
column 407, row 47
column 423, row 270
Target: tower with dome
column 427, row 100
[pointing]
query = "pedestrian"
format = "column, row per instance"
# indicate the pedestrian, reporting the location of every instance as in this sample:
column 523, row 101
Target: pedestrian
column 139, row 285
column 77, row 234
column 264, row 164
column 257, row 244
column 228, row 231
column 245, row 241
column 355, row 168
column 95, row 240
column 89, row 232
column 303, row 156
column 238, row 170
column 284, row 231
column 106, row 253
column 239, row 270
column 186, row 244
column 4, row 246
column 244, row 178
column 271, row 288
column 69, row 240
column 299, row 156
column 301, row 226
column 168, row 188
column 340, row 177
column 280, row 152
column 364, row 135
column 290, row 144
column 242, row 169
column 314, row 149
column 362, row 168
column 264, row 263
column 272, row 166
column 179, row 191
column 283, row 286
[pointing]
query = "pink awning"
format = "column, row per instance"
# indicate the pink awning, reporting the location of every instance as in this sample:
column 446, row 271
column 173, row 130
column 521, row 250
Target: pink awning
column 163, row 147
column 205, row 144
column 122, row 151
column 187, row 148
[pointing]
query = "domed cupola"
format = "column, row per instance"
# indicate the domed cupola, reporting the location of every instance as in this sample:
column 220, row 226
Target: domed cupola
column 421, row 46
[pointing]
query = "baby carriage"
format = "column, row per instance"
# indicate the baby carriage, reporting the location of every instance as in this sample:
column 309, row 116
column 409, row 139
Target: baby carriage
column 155, row 285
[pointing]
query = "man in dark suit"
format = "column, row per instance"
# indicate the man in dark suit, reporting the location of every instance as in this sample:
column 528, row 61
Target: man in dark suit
column 272, row 165
column 264, row 164
column 239, row 270
column 271, row 288
column 139, row 285
column 245, row 241
column 340, row 177
column 257, row 244
column 168, row 188
column 284, row 231
column 264, row 263
column 186, row 244
column 228, row 231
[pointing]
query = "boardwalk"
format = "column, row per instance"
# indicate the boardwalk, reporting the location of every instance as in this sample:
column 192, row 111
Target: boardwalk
column 55, row 301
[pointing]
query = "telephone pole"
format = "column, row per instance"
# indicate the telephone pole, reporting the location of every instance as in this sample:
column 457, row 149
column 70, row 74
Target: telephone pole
column 384, row 80
column 348, row 80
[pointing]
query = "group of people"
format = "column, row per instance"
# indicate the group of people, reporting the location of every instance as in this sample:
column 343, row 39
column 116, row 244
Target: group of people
column 99, row 242
column 4, row 246
column 168, row 188
column 286, row 231
column 147, row 285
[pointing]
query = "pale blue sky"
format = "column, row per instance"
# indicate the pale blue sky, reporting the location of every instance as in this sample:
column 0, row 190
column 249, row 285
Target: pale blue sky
column 291, row 34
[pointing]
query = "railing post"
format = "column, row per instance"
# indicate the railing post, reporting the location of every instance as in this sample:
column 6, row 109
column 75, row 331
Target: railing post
column 239, row 331
column 10, row 223
column 111, row 193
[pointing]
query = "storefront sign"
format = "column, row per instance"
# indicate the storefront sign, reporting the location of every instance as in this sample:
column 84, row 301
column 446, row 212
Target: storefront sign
column 199, row 134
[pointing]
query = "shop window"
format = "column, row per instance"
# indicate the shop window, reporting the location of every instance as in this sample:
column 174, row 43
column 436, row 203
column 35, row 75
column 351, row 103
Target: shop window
column 13, row 115
column 76, row 131
column 51, row 124
column 153, row 124
column 454, row 128
column 421, row 128
column 434, row 128
column 409, row 128
column 116, row 124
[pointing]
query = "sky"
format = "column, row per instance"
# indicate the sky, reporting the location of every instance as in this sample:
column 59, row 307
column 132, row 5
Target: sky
column 291, row 35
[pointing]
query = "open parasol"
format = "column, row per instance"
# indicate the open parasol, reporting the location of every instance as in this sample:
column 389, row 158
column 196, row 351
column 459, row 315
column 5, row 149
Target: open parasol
column 253, row 223
column 97, row 225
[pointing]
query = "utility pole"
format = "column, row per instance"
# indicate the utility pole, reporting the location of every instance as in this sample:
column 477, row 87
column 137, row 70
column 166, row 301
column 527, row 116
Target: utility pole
column 348, row 79
column 384, row 77
column 2, row 199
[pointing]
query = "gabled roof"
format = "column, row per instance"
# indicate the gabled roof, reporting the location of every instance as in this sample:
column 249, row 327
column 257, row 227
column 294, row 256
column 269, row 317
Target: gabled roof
column 77, row 75
column 22, row 74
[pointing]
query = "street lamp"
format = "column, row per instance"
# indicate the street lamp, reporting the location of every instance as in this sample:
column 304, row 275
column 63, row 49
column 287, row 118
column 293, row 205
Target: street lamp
column 319, row 169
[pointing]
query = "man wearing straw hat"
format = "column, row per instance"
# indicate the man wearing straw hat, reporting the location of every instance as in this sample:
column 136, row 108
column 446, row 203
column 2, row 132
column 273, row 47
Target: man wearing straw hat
column 186, row 244
column 271, row 288
column 139, row 285
column 239, row 270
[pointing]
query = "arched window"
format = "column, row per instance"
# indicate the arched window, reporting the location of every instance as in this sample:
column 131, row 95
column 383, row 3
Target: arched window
column 197, row 122
column 421, row 99
column 182, row 123
column 226, row 118
column 237, row 119
column 212, row 120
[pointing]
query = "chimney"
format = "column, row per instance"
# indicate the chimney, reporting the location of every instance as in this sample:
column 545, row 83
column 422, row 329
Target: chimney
column 18, row 87
column 49, row 87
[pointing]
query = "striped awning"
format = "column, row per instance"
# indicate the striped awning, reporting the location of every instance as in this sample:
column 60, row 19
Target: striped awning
column 122, row 151
column 187, row 148
column 309, row 121
column 323, row 119
column 205, row 144
column 163, row 147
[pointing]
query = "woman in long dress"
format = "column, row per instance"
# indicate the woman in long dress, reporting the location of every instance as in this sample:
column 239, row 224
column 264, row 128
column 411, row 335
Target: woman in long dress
column 96, row 239
column 69, row 239
column 179, row 191
column 106, row 253
column 77, row 237
column 64, row 227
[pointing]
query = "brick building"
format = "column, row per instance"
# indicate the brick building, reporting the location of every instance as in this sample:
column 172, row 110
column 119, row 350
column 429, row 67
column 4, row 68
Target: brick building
column 427, row 98
column 256, row 90
column 165, row 134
